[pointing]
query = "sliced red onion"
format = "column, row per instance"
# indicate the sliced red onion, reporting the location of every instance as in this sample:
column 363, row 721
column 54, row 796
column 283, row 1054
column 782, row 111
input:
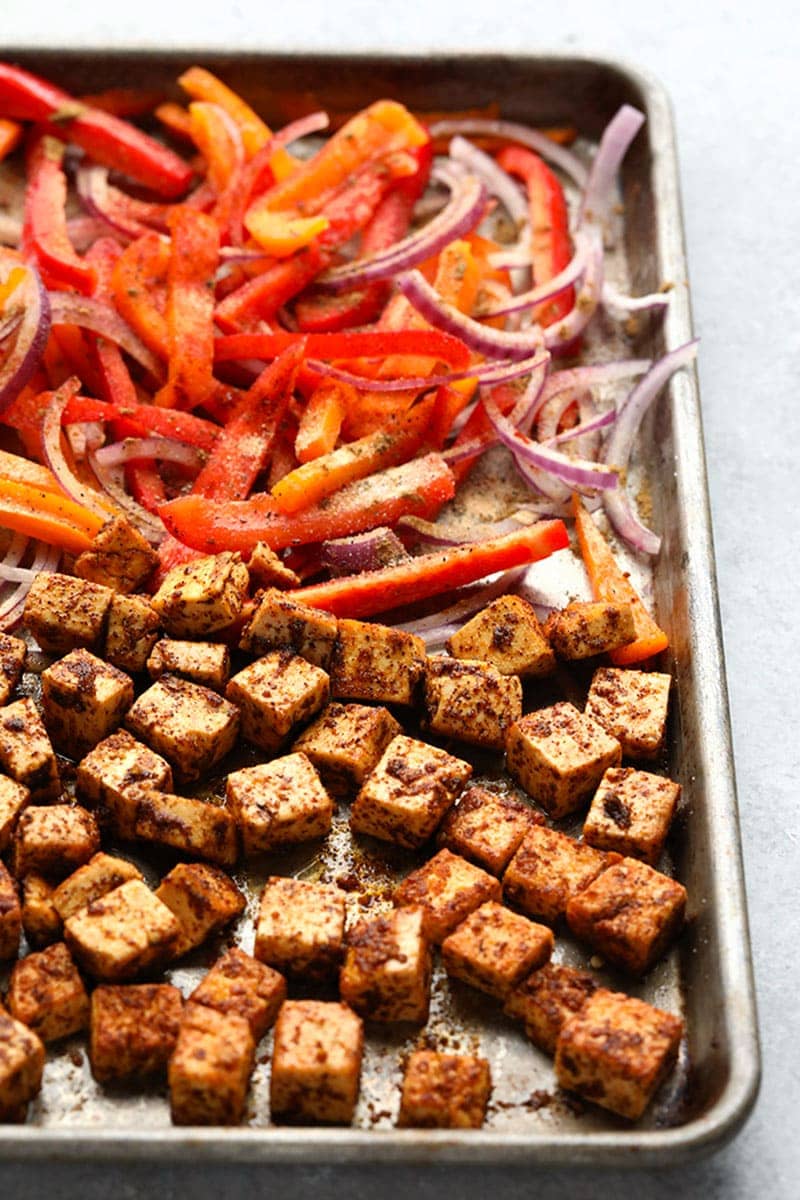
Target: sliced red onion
column 10, row 325
column 15, row 552
column 551, row 413
column 617, row 137
column 594, row 376
column 510, row 131
column 84, row 436
column 436, row 534
column 68, row 309
column 600, row 421
column 575, row 269
column 161, row 448
column 486, row 374
column 97, row 197
column 29, row 298
column 560, row 336
column 555, row 491
column 112, row 481
column 619, row 306
column 13, row 606
column 54, row 455
column 83, row 232
column 472, row 599
column 363, row 552
column 498, row 182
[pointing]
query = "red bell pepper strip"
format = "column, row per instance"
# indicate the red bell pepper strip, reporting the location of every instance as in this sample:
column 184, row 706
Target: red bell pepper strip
column 139, row 287
column 123, row 102
column 45, row 218
column 141, row 419
column 190, row 310
column 368, row 343
column 262, row 297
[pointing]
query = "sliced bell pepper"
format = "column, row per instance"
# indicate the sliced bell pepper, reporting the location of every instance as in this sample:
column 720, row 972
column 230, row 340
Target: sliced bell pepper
column 14, row 466
column 141, row 419
column 212, row 136
column 321, row 419
column 176, row 119
column 49, row 516
column 123, row 102
column 139, row 286
column 45, row 217
column 146, row 485
column 10, row 137
column 202, row 85
column 368, row 343
column 190, row 310
column 279, row 235
column 260, row 299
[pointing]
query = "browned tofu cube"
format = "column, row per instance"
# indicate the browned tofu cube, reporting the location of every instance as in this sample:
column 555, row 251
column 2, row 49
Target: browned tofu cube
column 589, row 627
column 281, row 623
column 203, row 900
column 47, row 994
column 632, row 707
column 408, row 793
column 12, row 659
column 13, row 799
column 629, row 914
column 268, row 570
column 548, row 869
column 10, row 916
column 41, row 922
column 494, row 948
column 487, row 827
column 275, row 694
column 64, row 613
column 316, row 1062
column 206, row 663
column 21, row 1066
column 240, row 984
column 195, row 827
column 54, row 840
column 300, row 927
column 447, row 888
column 84, row 700
column 101, row 874
column 631, row 812
column 386, row 974
column 133, row 1031
column 374, row 662
column 444, row 1091
column 131, row 633
column 345, row 743
column 110, row 773
column 119, row 557
column 548, row 998
column 190, row 725
column 559, row 755
column 25, row 751
column 508, row 635
column 616, row 1051
column 471, row 701
column 124, row 932
column 209, row 1072
column 279, row 804
column 203, row 596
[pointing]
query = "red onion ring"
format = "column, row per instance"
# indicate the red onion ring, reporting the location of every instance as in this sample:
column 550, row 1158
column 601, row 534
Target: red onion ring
column 83, row 232
column 560, row 336
column 594, row 376
column 362, row 552
column 617, row 137
column 600, row 421
column 68, row 309
column 32, row 332
column 12, row 608
column 510, row 131
column 97, row 196
column 619, row 306
column 111, row 479
column 574, row 270
column 162, row 448
column 476, row 597
column 84, row 436
column 66, row 478
column 486, row 374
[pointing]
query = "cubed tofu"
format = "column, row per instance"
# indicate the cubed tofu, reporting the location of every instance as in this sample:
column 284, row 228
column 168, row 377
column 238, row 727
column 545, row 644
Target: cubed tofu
column 588, row 627
column 632, row 707
column 26, row 753
column 115, row 767
column 123, row 933
column 408, row 793
column 559, row 755
column 316, row 1062
column 84, row 700
column 203, row 596
column 631, row 812
column 447, row 888
column 101, row 874
column 471, row 701
column 507, row 634
column 10, row 916
column 494, row 948
column 210, row 1068
column 118, row 557
column 131, row 633
column 46, row 993
column 444, row 1091
column 191, row 726
column 54, row 840
column 13, row 799
column 629, row 914
column 206, row 663
column 300, row 928
column 616, row 1050
column 195, row 827
column 281, row 623
column 275, row 694
column 278, row 804
column 268, row 570
column 345, row 743
column 548, row 869
column 21, row 1065
column 133, row 1030
column 203, row 900
column 487, row 827
column 240, row 984
column 41, row 922
column 12, row 660
column 374, row 662
column 547, row 999
column 63, row 612
column 386, row 974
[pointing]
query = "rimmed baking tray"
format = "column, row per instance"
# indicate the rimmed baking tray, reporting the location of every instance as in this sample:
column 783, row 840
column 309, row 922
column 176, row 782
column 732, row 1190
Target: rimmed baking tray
column 709, row 976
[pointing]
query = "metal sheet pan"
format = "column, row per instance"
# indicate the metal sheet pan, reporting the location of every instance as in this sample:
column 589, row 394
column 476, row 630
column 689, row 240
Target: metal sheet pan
column 709, row 975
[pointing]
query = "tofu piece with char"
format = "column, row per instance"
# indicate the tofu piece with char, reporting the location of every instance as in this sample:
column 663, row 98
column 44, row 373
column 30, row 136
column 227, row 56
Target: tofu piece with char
column 203, row 900
column 193, row 827
column 109, row 774
column 47, row 994
column 40, row 920
column 133, row 1030
column 632, row 707
column 548, row 998
column 507, row 634
column 22, row 1057
column 119, row 557
column 131, row 633
column 374, row 662
column 123, row 933
column 240, row 984
column 548, row 869
column 209, row 1071
column 386, row 974
column 316, row 1062
column 14, row 798
column 279, row 803
column 616, row 1050
column 206, row 663
column 471, row 701
column 494, row 948
column 631, row 812
column 64, row 613
column 559, row 755
column 84, row 700
column 269, row 570
column 100, row 875
column 26, row 753
column 300, row 928
column 447, row 888
column 345, row 743
column 444, row 1091
column 487, row 827
column 191, row 726
column 588, row 627
column 203, row 596
column 12, row 661
column 408, row 793
column 282, row 623
column 275, row 694
column 54, row 840
column 10, row 916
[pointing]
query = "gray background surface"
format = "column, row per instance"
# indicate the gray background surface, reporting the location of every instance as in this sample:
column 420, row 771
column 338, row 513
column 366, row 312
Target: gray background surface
column 732, row 74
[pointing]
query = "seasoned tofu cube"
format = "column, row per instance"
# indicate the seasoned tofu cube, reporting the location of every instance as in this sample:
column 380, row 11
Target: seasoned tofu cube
column 487, row 827
column 629, row 914
column 444, row 1091
column 101, row 874
column 13, row 799
column 345, row 743
column 118, row 557
column 281, row 623
column 507, row 634
column 133, row 1030
column 195, row 827
column 41, row 922
column 131, row 633
column 109, row 773
column 206, row 663
column 84, row 700
column 616, row 1050
column 47, row 994
column 25, row 751
column 123, row 933
column 12, row 659
column 190, row 725
column 268, row 570
column 209, row 1072
column 374, row 662
column 631, row 812
column 300, row 928
column 316, row 1062
column 203, row 596
column 494, row 948
column 632, row 707
column 21, row 1066
column 275, row 694
column 10, row 916
column 202, row 898
column 471, row 701
column 558, row 755
column 408, row 793
column 54, row 840
column 588, row 627
column 548, row 869
column 447, row 888
column 547, row 999
column 386, row 974
column 240, row 984
column 279, row 804
column 64, row 613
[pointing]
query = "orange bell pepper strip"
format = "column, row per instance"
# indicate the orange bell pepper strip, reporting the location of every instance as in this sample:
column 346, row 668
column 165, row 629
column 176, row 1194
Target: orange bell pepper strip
column 610, row 583
column 49, row 516
column 190, row 310
column 139, row 287
column 321, row 419
column 211, row 135
column 202, row 85
column 176, row 119
column 14, row 466
column 10, row 137
column 45, row 218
